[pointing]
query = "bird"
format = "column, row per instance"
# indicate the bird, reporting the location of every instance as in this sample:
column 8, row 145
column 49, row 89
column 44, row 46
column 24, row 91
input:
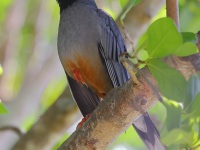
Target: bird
column 89, row 47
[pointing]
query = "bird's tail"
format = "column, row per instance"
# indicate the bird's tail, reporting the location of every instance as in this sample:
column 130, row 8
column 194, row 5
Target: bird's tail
column 148, row 133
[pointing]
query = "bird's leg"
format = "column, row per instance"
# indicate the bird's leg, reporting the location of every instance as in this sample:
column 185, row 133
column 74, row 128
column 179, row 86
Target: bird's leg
column 130, row 66
column 80, row 124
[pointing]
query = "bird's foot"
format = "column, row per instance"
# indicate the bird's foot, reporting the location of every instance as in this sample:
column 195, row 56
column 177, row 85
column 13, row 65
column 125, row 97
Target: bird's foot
column 80, row 124
column 130, row 66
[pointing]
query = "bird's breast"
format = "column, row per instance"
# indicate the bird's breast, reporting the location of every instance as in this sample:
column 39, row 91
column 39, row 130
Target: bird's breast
column 78, row 38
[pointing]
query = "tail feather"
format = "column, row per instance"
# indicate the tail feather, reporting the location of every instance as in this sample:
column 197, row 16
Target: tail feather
column 148, row 133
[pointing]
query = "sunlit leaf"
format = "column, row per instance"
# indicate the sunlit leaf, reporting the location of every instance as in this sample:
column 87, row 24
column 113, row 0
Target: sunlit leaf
column 63, row 138
column 163, row 38
column 127, row 138
column 2, row 108
column 1, row 70
column 142, row 43
column 123, row 3
column 177, row 136
column 186, row 49
column 171, row 82
column 142, row 55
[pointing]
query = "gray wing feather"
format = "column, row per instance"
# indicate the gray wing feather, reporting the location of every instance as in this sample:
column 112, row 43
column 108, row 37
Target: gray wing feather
column 110, row 47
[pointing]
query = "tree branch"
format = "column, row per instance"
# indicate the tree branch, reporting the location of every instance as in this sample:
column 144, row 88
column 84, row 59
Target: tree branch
column 48, row 130
column 173, row 11
column 12, row 128
column 114, row 115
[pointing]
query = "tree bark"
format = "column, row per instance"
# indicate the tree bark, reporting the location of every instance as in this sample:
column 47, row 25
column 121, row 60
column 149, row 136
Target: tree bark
column 113, row 116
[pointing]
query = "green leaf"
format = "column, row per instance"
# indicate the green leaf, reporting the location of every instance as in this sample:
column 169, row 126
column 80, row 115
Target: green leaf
column 193, row 86
column 189, row 37
column 127, row 138
column 177, row 137
column 161, row 116
column 142, row 55
column 134, row 2
column 2, row 108
column 186, row 49
column 193, row 89
column 173, row 114
column 123, row 3
column 195, row 106
column 163, row 38
column 1, row 70
column 171, row 82
column 142, row 43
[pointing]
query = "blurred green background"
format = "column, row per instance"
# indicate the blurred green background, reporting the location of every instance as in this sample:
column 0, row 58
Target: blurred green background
column 31, row 76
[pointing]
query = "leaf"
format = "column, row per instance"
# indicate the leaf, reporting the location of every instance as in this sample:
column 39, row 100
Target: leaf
column 123, row 3
column 2, row 108
column 163, row 38
column 189, row 37
column 177, row 137
column 142, row 43
column 171, row 82
column 195, row 106
column 186, row 49
column 193, row 89
column 142, row 55
column 1, row 70
column 161, row 116
column 193, row 86
column 134, row 2
column 173, row 114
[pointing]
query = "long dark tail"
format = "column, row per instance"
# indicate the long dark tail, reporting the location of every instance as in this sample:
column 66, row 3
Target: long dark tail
column 148, row 133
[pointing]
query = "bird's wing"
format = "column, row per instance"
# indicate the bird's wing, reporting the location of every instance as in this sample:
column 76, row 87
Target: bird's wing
column 86, row 100
column 110, row 47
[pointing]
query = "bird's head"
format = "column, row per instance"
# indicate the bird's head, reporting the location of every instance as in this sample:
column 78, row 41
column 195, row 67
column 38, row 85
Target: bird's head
column 63, row 4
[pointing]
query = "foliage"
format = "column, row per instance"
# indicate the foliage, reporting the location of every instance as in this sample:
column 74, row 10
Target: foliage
column 2, row 108
column 163, row 39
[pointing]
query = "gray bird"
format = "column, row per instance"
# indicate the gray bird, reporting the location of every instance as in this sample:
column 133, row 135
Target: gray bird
column 89, row 45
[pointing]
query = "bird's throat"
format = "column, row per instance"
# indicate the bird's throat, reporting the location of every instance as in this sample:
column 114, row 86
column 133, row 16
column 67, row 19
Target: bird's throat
column 63, row 4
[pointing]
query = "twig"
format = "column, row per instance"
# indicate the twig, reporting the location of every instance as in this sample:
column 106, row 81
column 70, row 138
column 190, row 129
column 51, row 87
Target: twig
column 127, row 63
column 128, row 37
column 12, row 128
column 198, row 40
column 173, row 11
